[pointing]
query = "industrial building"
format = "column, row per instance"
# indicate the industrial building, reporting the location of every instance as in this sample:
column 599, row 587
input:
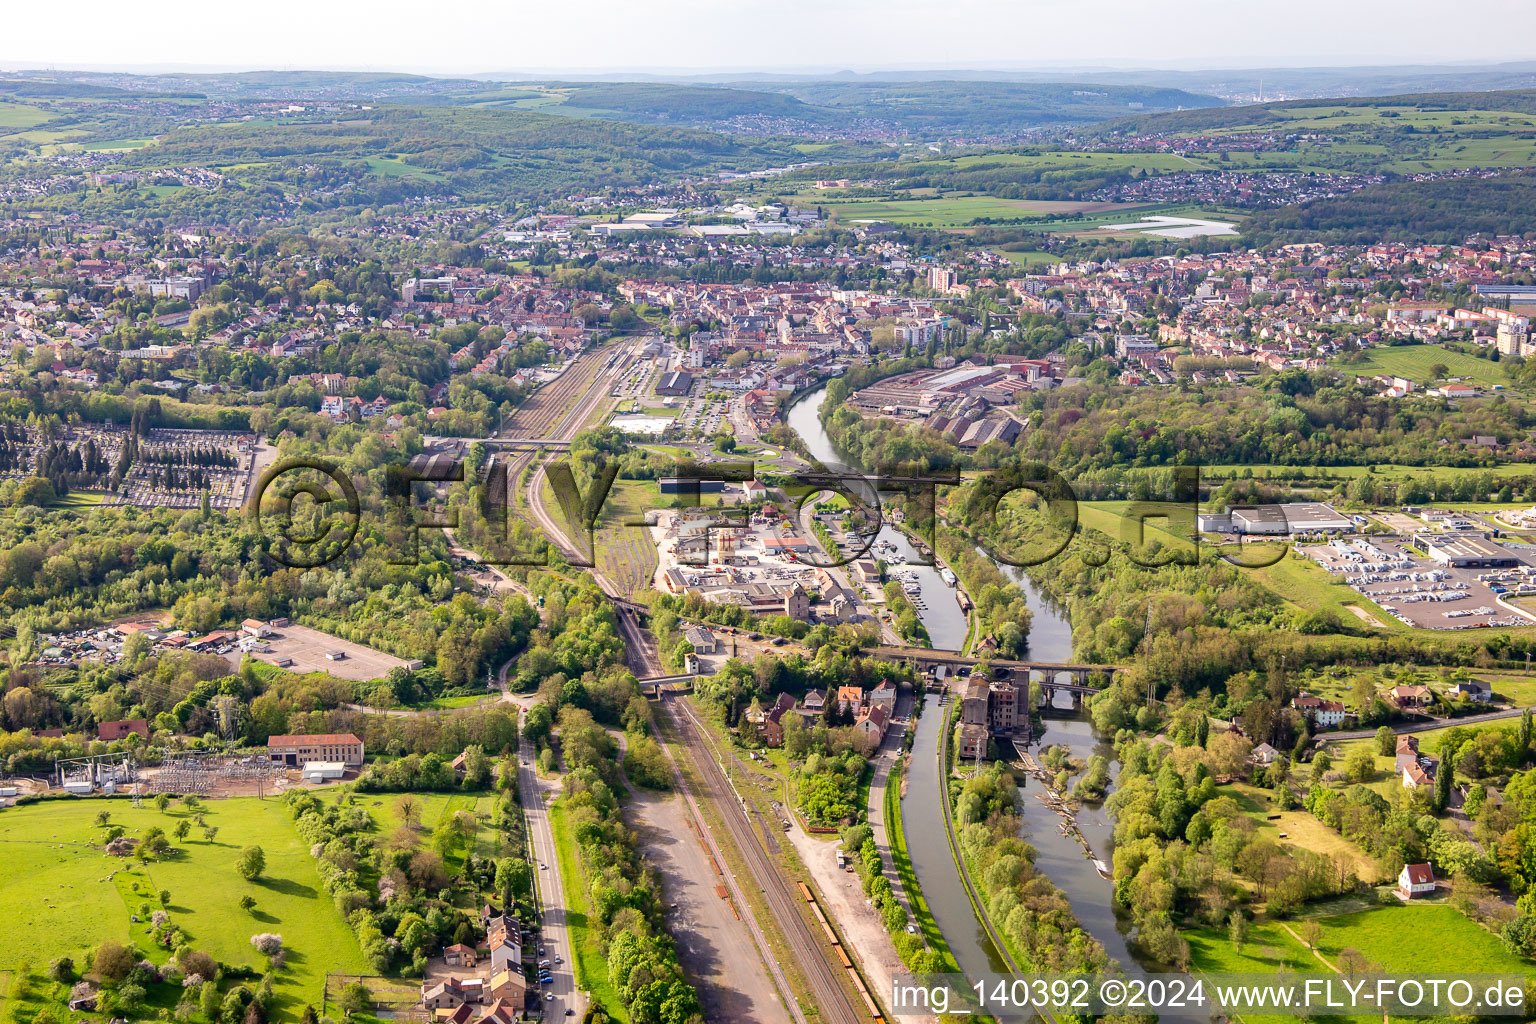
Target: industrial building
column 299, row 750
column 676, row 383
column 1469, row 553
column 1276, row 520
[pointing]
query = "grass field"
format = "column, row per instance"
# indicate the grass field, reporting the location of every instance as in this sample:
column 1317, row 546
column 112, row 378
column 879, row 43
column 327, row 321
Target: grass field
column 61, row 896
column 896, row 834
column 625, row 554
column 1455, row 946
column 81, row 499
column 434, row 808
column 1328, row 476
column 949, row 211
column 1460, row 944
column 587, row 959
column 1414, row 361
column 394, row 167
column 1297, row 580
column 21, row 115
column 1300, row 828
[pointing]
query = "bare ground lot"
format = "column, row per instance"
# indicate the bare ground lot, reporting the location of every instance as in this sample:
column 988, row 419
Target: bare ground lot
column 713, row 944
column 308, row 648
column 862, row 928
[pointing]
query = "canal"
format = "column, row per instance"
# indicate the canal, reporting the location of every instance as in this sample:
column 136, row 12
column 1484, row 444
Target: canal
column 1059, row 857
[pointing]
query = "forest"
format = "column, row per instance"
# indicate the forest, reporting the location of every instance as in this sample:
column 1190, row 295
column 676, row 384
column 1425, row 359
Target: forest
column 1443, row 211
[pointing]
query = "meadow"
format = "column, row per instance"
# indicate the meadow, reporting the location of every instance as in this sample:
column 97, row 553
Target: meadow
column 1382, row 935
column 1414, row 362
column 61, row 895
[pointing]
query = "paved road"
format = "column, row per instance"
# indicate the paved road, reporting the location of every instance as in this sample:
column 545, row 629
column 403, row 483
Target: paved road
column 884, row 761
column 551, row 892
column 1438, row 723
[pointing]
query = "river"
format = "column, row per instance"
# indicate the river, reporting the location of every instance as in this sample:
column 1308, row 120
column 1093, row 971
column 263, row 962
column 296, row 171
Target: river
column 1059, row 857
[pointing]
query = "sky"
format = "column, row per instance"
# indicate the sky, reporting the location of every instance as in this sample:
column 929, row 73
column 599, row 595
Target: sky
column 487, row 36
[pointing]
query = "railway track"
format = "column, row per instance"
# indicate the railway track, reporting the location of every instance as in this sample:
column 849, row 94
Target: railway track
column 783, row 898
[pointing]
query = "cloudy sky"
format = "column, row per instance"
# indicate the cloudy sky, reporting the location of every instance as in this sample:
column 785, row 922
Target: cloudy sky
column 474, row 36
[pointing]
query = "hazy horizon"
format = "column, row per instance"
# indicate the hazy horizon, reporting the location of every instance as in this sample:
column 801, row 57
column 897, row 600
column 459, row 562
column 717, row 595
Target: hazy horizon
column 485, row 39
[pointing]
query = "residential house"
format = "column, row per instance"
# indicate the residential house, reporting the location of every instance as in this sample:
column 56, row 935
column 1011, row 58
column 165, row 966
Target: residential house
column 1415, row 880
column 506, row 953
column 813, row 705
column 1420, row 773
column 1472, row 690
column 109, row 731
column 772, row 726
column 1324, row 714
column 884, row 695
column 1406, row 696
column 1263, row 754
column 872, row 724
column 459, row 955
column 849, row 698
column 448, row 994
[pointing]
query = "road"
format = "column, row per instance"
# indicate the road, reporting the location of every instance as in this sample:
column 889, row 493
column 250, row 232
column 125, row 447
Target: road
column 884, row 761
column 783, row 899
column 1436, row 723
column 550, row 888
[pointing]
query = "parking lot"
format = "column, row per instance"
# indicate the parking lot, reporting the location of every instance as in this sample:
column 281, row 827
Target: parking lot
column 1420, row 592
column 307, row 648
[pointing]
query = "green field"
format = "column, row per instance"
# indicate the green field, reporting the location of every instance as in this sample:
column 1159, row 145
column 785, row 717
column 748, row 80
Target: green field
column 589, row 962
column 1460, row 945
column 1383, row 935
column 949, row 211
column 1414, row 361
column 435, row 808
column 60, row 895
column 21, row 115
column 394, row 167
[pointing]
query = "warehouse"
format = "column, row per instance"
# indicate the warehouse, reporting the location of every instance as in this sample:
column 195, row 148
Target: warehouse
column 678, row 382
column 1275, row 520
column 1470, row 553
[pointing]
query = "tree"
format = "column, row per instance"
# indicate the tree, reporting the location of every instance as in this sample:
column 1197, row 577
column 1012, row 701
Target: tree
column 252, row 862
column 162, row 801
column 182, row 828
column 1360, row 765
column 408, row 808
column 1386, row 741
column 209, row 831
column 62, row 970
column 354, row 998
column 1443, row 777
column 1311, row 934
column 247, row 903
column 103, row 817
column 165, row 897
column 113, row 961
column 208, row 1000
